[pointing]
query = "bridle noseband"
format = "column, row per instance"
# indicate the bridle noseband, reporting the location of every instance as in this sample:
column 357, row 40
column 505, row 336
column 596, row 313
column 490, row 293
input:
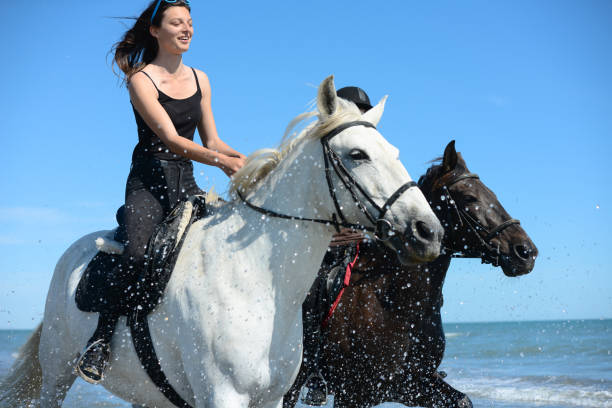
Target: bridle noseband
column 487, row 252
column 382, row 229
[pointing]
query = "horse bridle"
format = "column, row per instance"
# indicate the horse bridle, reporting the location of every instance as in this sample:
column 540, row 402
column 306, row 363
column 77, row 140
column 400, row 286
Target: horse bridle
column 487, row 252
column 382, row 228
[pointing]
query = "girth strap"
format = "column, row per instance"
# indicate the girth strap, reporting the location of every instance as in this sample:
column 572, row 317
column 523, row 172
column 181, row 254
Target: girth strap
column 141, row 337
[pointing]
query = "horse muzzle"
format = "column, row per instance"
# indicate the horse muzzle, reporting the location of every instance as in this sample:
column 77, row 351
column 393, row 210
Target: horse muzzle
column 420, row 242
column 520, row 259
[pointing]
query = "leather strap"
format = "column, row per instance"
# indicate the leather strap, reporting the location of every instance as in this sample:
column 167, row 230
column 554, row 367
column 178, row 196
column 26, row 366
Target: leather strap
column 141, row 337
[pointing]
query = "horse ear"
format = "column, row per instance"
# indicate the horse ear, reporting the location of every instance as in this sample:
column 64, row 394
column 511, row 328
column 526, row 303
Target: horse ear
column 327, row 100
column 373, row 115
column 450, row 157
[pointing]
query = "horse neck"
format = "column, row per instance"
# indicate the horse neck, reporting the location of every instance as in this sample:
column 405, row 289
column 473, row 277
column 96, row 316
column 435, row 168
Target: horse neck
column 378, row 269
column 297, row 187
column 438, row 268
column 426, row 184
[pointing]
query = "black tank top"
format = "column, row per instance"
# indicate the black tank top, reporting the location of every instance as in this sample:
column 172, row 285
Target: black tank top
column 185, row 115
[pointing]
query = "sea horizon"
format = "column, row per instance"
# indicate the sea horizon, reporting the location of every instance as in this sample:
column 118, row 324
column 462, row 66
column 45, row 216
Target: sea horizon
column 561, row 363
column 445, row 323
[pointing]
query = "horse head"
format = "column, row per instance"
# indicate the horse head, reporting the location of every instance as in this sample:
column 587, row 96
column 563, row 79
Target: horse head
column 476, row 224
column 371, row 182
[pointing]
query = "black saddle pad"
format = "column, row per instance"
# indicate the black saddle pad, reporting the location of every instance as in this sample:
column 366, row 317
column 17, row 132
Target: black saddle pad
column 107, row 287
column 101, row 284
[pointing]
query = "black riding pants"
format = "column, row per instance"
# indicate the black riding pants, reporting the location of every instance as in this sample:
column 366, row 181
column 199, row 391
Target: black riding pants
column 154, row 187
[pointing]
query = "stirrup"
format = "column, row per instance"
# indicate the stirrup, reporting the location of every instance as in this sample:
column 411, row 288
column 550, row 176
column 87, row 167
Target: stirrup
column 316, row 393
column 93, row 362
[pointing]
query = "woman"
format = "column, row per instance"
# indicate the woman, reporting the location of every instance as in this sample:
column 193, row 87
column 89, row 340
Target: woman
column 169, row 100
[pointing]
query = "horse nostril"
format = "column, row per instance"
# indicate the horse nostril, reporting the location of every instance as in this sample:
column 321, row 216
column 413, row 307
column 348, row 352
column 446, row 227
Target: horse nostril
column 423, row 231
column 522, row 251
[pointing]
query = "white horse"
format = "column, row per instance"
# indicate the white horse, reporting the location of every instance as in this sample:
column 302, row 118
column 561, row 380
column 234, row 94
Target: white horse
column 228, row 331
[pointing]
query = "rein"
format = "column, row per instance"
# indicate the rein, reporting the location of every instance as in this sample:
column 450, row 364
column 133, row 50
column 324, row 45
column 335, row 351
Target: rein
column 381, row 228
column 487, row 252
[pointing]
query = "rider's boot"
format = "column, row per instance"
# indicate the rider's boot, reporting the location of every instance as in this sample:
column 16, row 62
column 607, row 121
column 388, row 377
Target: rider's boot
column 95, row 358
column 93, row 362
column 316, row 385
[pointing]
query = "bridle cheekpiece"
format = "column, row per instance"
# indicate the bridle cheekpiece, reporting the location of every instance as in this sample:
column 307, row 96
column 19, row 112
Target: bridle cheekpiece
column 487, row 252
column 382, row 229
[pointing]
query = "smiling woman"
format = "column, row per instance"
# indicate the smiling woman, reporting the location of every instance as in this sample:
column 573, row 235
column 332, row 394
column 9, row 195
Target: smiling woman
column 170, row 100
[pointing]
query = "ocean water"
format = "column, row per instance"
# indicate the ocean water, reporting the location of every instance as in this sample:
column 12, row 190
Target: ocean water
column 555, row 364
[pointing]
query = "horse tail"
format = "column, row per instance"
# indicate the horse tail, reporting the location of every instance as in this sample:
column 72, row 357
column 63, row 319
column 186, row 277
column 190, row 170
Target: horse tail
column 23, row 383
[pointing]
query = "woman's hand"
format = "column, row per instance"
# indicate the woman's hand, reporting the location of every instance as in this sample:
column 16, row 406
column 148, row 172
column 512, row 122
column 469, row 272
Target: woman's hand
column 231, row 165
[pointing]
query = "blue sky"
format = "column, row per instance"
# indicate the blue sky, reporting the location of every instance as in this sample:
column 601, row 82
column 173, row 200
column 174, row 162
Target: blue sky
column 524, row 88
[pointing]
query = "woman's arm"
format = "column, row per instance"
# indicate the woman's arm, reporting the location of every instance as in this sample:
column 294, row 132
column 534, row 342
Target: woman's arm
column 144, row 98
column 206, row 127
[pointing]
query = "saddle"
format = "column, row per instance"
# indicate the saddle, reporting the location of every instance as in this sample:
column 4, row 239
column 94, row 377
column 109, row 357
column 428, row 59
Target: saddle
column 105, row 286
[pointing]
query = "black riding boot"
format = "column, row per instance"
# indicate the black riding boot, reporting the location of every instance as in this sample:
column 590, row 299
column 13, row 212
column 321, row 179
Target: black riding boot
column 316, row 384
column 96, row 356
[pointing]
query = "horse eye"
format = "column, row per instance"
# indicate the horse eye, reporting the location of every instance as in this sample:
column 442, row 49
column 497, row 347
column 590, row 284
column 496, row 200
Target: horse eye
column 357, row 154
column 470, row 199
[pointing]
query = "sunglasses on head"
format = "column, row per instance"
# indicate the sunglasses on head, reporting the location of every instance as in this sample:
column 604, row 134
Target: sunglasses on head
column 166, row 1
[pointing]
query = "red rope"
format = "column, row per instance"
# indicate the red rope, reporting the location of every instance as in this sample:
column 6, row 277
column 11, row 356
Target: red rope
column 347, row 281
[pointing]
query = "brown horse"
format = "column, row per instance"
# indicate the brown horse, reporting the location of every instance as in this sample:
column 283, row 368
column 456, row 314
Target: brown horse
column 385, row 341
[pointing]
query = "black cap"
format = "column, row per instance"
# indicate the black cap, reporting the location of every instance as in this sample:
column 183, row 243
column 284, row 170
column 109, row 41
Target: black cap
column 355, row 95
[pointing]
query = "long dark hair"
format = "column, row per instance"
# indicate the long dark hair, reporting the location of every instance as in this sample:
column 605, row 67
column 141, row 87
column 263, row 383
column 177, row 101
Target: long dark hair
column 138, row 47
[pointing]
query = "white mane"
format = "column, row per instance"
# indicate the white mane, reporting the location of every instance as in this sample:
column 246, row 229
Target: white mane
column 261, row 162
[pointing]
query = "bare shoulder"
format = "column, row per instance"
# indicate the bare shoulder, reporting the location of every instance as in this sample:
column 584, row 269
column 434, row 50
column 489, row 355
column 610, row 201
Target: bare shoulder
column 140, row 85
column 203, row 79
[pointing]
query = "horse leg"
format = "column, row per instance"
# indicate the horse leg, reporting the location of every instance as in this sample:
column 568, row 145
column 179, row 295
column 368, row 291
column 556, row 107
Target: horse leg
column 343, row 400
column 292, row 396
column 57, row 358
column 277, row 404
column 212, row 389
column 58, row 377
column 222, row 396
column 435, row 392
